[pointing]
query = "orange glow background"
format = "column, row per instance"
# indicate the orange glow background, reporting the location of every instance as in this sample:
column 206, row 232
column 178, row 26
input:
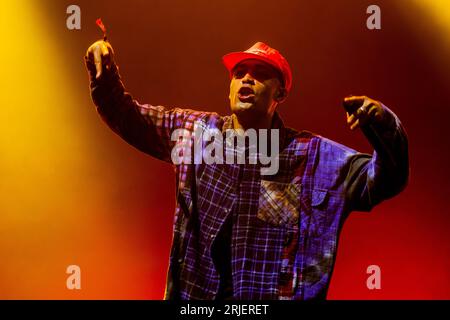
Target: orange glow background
column 72, row 192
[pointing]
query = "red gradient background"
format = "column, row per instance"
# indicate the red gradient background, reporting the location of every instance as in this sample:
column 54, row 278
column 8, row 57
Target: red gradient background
column 83, row 196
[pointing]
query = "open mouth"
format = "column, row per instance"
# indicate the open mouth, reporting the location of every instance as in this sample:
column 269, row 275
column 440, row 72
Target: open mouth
column 246, row 94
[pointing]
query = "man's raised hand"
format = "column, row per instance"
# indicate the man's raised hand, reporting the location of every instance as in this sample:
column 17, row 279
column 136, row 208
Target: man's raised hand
column 362, row 110
column 99, row 56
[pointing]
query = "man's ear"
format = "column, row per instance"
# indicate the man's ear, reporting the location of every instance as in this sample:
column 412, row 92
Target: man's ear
column 281, row 95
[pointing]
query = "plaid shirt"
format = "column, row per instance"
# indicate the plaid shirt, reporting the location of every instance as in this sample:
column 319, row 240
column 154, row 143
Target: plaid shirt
column 285, row 226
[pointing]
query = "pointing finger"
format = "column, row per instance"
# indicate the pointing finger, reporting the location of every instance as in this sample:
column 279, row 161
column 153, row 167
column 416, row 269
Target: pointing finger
column 98, row 61
column 355, row 99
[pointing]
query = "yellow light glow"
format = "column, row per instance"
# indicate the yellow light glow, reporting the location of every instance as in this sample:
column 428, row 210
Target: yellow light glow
column 439, row 12
column 429, row 21
column 48, row 212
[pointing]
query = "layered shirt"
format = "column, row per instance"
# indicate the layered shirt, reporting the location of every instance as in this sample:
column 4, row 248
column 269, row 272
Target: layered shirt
column 284, row 227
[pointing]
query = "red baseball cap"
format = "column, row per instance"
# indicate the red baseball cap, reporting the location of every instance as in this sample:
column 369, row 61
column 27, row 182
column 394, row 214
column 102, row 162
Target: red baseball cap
column 263, row 52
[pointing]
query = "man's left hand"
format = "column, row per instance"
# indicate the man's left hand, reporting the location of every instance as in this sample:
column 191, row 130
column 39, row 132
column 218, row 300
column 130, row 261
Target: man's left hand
column 369, row 112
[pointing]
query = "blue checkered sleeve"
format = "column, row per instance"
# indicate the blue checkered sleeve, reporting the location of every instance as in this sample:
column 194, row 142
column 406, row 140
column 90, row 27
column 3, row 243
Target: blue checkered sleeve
column 372, row 179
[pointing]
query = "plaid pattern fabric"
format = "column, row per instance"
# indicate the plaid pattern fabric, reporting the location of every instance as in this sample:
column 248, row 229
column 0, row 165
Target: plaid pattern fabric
column 285, row 226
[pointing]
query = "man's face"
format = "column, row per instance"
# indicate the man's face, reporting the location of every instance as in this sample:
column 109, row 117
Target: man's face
column 254, row 87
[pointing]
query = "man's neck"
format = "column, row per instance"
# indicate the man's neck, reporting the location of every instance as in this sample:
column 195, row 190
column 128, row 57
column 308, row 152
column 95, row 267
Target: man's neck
column 252, row 122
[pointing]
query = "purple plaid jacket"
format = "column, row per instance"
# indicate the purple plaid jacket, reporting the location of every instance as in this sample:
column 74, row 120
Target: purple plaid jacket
column 285, row 226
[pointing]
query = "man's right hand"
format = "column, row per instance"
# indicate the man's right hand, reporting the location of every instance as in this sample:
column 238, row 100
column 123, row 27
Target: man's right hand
column 100, row 54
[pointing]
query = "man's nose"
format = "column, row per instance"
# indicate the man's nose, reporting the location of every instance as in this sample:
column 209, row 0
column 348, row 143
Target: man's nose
column 248, row 79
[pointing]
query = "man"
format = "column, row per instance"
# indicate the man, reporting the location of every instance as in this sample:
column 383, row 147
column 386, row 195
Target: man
column 239, row 233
